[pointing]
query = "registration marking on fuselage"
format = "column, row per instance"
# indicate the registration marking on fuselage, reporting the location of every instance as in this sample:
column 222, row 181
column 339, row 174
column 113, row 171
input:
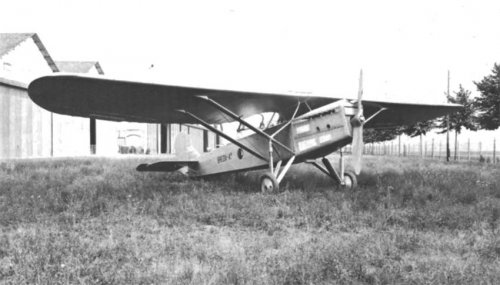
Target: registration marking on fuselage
column 224, row 157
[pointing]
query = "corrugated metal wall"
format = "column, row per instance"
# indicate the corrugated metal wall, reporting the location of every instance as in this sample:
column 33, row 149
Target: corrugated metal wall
column 24, row 127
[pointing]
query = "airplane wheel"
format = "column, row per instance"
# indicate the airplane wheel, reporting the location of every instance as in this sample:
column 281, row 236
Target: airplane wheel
column 350, row 181
column 268, row 183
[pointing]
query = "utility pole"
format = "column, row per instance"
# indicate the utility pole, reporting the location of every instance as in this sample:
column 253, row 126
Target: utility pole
column 448, row 123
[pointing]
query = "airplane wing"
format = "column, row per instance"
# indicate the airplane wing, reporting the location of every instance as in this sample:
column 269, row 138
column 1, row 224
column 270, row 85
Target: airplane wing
column 400, row 114
column 120, row 100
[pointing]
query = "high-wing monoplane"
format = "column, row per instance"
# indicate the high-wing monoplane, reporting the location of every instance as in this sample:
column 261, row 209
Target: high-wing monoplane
column 310, row 127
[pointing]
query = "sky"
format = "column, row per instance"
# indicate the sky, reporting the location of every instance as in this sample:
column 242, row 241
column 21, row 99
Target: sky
column 405, row 48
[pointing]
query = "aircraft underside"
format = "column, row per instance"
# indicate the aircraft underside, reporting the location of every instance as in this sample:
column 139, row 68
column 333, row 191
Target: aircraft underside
column 303, row 139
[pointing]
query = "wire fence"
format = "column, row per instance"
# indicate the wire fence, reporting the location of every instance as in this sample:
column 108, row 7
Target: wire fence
column 481, row 151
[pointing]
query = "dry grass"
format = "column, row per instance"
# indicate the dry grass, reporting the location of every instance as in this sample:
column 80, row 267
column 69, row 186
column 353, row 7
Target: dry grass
column 97, row 221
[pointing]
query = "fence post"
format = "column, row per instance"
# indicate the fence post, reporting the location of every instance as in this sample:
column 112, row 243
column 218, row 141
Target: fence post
column 425, row 149
column 440, row 148
column 432, row 148
column 480, row 149
column 421, row 146
column 399, row 145
column 468, row 149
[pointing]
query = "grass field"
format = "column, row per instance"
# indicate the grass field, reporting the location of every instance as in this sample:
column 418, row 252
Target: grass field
column 98, row 221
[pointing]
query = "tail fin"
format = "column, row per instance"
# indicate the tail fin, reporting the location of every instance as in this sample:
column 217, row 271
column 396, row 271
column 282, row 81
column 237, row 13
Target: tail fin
column 184, row 148
column 185, row 161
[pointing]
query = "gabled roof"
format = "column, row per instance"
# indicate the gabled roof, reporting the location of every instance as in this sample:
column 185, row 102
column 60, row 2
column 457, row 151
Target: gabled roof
column 9, row 41
column 78, row 66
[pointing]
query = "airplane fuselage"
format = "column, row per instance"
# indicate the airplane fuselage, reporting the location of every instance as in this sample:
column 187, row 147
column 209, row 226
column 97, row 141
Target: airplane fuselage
column 304, row 138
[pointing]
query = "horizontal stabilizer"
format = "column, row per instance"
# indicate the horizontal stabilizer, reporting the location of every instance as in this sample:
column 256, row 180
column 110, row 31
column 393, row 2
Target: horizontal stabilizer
column 167, row 166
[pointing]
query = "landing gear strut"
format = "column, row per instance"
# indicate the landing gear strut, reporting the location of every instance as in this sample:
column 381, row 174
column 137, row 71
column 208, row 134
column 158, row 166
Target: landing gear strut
column 346, row 179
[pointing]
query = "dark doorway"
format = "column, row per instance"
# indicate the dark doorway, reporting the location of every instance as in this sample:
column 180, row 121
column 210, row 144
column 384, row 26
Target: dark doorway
column 163, row 138
column 205, row 141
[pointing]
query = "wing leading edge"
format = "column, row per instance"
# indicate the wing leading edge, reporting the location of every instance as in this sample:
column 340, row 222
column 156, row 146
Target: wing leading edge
column 400, row 114
column 120, row 100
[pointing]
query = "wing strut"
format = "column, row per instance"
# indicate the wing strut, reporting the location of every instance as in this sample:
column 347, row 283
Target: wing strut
column 224, row 135
column 373, row 116
column 245, row 123
column 271, row 139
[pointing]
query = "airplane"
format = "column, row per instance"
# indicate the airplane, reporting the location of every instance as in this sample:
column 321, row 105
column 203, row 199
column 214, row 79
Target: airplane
column 310, row 127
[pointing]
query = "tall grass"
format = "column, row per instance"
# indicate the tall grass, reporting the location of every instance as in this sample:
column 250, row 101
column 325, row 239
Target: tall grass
column 98, row 221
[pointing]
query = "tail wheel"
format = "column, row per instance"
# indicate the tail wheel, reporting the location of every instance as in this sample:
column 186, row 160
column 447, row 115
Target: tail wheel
column 268, row 183
column 350, row 180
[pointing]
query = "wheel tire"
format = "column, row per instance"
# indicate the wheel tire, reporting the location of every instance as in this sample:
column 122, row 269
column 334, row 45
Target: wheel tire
column 268, row 183
column 350, row 180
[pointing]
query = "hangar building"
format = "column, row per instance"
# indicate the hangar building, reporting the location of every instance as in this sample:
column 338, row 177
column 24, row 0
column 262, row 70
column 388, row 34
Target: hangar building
column 27, row 130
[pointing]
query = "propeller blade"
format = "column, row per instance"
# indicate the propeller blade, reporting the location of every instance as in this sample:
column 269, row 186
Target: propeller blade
column 357, row 148
column 357, row 130
column 360, row 93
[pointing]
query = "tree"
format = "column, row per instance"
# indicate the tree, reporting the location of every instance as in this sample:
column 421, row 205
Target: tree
column 420, row 129
column 465, row 118
column 488, row 104
column 380, row 135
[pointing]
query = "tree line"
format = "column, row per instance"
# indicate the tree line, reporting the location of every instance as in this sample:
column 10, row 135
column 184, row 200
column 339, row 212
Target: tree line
column 482, row 112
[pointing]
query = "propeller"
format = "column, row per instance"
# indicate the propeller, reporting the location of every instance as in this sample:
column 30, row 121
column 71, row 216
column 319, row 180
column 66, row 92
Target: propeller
column 357, row 130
